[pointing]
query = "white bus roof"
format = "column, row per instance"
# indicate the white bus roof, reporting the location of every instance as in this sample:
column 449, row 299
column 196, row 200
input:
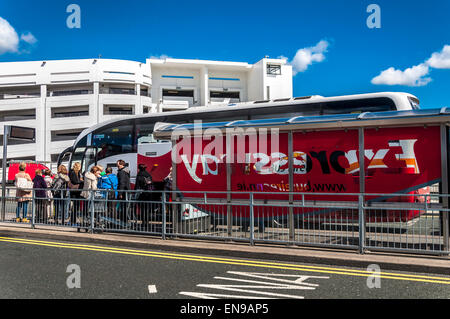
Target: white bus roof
column 411, row 117
column 395, row 96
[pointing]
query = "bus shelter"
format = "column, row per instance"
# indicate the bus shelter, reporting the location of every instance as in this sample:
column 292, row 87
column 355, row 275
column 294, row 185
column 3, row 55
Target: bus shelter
column 369, row 159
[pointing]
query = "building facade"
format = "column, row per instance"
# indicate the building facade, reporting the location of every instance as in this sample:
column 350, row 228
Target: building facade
column 62, row 98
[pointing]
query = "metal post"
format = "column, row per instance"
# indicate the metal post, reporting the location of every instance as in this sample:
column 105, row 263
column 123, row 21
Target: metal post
column 229, row 208
column 62, row 206
column 5, row 158
column 175, row 208
column 229, row 158
column 362, row 189
column 69, row 201
column 362, row 224
column 163, row 211
column 444, row 173
column 91, row 202
column 33, row 210
column 291, row 186
column 252, row 221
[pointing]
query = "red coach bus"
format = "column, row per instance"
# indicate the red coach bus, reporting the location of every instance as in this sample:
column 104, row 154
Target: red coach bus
column 131, row 138
column 324, row 154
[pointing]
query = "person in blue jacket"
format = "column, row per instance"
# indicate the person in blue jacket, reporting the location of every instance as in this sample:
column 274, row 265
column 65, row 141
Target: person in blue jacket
column 109, row 181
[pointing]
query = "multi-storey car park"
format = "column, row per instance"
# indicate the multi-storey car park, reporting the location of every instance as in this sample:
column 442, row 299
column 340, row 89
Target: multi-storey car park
column 62, row 98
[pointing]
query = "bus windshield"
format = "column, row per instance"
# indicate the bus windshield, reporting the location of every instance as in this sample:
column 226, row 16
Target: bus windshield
column 113, row 140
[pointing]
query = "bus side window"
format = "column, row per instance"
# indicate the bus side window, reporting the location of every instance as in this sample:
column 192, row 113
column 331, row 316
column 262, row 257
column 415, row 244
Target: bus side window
column 144, row 133
column 288, row 111
column 147, row 139
column 358, row 106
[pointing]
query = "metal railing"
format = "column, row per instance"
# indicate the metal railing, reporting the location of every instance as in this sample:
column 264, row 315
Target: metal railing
column 402, row 223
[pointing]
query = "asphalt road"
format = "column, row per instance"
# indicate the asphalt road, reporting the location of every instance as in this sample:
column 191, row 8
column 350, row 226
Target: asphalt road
column 49, row 269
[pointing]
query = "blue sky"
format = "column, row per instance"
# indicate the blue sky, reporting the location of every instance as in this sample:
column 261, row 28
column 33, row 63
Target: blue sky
column 354, row 55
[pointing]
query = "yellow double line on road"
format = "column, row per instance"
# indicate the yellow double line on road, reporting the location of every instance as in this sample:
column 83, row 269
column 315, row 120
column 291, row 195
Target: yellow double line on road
column 228, row 261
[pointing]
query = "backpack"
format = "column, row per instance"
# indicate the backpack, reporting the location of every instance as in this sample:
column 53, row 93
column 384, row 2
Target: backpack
column 148, row 184
column 59, row 184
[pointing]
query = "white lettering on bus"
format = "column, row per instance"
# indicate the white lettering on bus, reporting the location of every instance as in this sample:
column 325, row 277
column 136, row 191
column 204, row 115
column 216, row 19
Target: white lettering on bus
column 276, row 163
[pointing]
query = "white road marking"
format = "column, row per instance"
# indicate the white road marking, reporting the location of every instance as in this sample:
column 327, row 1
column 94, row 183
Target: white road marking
column 203, row 295
column 152, row 289
column 270, row 276
column 247, row 290
column 272, row 282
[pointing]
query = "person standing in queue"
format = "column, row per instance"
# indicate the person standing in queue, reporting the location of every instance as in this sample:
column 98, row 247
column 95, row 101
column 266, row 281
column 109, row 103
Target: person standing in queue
column 59, row 189
column 75, row 185
column 40, row 193
column 144, row 183
column 124, row 185
column 168, row 185
column 101, row 173
column 90, row 182
column 89, row 187
column 49, row 202
column 24, row 194
column 168, row 194
column 110, row 184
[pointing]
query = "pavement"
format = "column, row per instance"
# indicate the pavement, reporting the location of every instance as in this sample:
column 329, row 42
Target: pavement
column 338, row 257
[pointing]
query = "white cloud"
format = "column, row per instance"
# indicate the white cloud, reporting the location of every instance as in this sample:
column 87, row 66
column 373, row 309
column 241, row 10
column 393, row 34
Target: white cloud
column 440, row 60
column 307, row 56
column 160, row 57
column 9, row 40
column 28, row 38
column 414, row 76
